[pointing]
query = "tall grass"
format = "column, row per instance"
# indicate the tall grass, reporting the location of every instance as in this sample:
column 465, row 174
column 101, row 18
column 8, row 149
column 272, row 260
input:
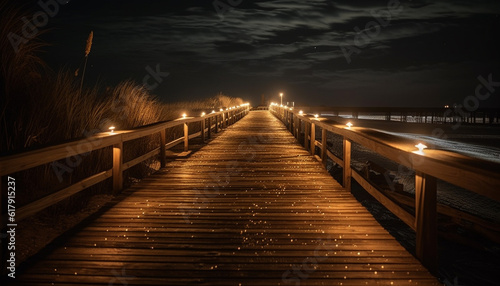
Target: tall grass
column 41, row 107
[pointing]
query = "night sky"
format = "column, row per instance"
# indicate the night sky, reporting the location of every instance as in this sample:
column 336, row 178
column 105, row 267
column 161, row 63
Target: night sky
column 399, row 53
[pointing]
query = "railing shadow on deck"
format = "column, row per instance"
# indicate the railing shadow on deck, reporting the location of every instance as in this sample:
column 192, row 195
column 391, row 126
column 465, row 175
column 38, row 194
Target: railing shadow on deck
column 473, row 174
column 212, row 122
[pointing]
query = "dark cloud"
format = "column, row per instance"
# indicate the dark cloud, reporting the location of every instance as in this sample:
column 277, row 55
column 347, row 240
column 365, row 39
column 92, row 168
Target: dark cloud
column 432, row 50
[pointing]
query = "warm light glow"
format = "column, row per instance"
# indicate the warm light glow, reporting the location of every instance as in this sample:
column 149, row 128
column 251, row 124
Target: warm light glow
column 301, row 112
column 221, row 109
column 202, row 114
column 349, row 125
column 213, row 111
column 420, row 147
column 111, row 129
column 316, row 115
column 184, row 115
column 281, row 105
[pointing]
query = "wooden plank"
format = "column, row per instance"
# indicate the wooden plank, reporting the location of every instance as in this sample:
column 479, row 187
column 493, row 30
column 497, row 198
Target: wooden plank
column 186, row 137
column 388, row 203
column 27, row 160
column 141, row 159
column 58, row 196
column 335, row 159
column 249, row 208
column 174, row 143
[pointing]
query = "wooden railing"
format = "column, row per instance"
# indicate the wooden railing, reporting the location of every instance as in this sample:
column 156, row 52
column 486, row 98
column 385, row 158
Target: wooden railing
column 479, row 176
column 116, row 139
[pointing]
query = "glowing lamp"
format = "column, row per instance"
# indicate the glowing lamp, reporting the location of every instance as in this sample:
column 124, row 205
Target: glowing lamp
column 112, row 129
column 221, row 109
column 213, row 111
column 349, row 125
column 420, row 147
column 301, row 112
column 202, row 114
column 184, row 115
column 316, row 115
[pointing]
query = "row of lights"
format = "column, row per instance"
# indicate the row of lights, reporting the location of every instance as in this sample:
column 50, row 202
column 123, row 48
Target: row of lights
column 419, row 146
column 213, row 111
column 184, row 115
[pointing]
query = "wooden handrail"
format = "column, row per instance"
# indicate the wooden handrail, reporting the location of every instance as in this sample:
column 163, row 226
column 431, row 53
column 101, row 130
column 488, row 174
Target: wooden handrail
column 470, row 173
column 27, row 160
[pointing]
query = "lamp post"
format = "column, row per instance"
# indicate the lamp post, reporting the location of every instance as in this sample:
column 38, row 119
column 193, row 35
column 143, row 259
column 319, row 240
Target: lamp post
column 281, row 96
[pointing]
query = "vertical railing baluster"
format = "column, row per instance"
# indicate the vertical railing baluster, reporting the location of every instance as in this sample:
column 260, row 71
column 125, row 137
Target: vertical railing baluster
column 186, row 137
column 163, row 141
column 426, row 220
column 323, row 146
column 347, row 173
column 203, row 129
column 209, row 127
column 118, row 166
column 313, row 139
column 306, row 134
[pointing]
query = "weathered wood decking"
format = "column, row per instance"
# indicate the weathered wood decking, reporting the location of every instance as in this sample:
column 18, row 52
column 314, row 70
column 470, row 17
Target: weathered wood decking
column 250, row 208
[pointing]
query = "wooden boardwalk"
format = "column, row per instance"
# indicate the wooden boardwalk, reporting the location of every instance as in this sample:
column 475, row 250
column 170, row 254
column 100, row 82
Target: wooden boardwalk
column 252, row 207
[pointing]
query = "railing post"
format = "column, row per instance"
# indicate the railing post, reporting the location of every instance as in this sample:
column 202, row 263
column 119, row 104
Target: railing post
column 186, row 137
column 426, row 220
column 216, row 124
column 299, row 127
column 347, row 164
column 203, row 129
column 163, row 141
column 291, row 122
column 209, row 127
column 118, row 167
column 323, row 146
column 306, row 134
column 223, row 120
column 313, row 139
